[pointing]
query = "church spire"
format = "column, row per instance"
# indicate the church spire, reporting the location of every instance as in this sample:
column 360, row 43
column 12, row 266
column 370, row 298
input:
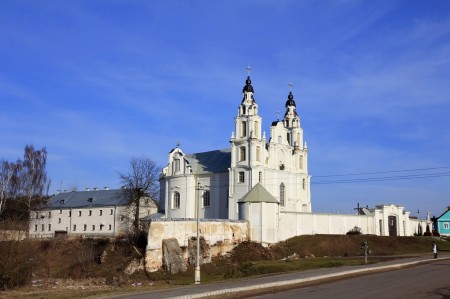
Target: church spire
column 248, row 83
column 248, row 105
column 291, row 118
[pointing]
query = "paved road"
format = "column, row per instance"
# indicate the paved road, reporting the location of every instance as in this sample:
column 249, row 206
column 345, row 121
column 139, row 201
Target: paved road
column 424, row 281
column 237, row 288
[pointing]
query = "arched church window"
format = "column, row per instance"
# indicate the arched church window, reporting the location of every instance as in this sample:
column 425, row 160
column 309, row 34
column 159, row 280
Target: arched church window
column 242, row 153
column 176, row 200
column 256, row 129
column 241, row 177
column 304, row 184
column 258, row 153
column 381, row 226
column 300, row 162
column 206, row 198
column 176, row 165
column 282, row 194
column 260, row 177
column 243, row 129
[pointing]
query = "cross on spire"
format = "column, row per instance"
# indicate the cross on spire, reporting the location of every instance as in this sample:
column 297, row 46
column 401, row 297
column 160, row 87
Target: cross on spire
column 248, row 70
column 290, row 86
column 178, row 143
column 278, row 115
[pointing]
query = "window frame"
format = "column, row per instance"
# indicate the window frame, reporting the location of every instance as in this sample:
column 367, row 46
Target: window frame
column 282, row 194
column 206, row 198
column 242, row 153
column 176, row 200
column 241, row 177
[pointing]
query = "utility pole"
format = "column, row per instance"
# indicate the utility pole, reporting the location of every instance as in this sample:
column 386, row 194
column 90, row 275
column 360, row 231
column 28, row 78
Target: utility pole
column 197, row 260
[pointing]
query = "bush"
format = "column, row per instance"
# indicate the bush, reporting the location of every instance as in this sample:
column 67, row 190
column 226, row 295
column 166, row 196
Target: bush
column 16, row 264
column 355, row 231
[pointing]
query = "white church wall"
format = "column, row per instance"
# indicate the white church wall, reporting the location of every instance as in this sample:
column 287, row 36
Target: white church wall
column 269, row 223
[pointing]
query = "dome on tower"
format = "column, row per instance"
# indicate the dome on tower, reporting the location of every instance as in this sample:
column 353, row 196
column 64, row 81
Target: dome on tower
column 290, row 101
column 248, row 85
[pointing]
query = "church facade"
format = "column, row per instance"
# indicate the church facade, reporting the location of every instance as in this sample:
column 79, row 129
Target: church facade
column 263, row 181
column 220, row 179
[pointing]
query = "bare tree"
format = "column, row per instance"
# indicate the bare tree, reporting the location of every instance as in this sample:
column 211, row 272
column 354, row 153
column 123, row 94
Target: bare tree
column 23, row 183
column 6, row 174
column 34, row 176
column 141, row 180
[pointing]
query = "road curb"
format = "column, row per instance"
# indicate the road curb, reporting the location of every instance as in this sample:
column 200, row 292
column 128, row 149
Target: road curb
column 284, row 283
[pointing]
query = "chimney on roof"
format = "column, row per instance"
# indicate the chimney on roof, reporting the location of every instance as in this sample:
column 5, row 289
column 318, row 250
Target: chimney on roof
column 106, row 188
column 95, row 189
column 87, row 189
column 448, row 208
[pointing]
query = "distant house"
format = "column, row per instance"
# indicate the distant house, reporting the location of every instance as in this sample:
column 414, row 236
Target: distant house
column 443, row 223
column 91, row 213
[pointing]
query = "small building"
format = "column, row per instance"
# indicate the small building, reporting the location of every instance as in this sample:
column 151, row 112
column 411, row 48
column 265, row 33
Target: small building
column 90, row 213
column 443, row 223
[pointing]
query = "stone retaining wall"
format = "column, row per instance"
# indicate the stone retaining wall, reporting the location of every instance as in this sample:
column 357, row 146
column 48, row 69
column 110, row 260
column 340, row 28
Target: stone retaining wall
column 220, row 236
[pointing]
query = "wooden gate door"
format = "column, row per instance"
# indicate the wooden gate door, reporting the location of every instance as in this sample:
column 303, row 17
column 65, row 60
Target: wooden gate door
column 392, row 220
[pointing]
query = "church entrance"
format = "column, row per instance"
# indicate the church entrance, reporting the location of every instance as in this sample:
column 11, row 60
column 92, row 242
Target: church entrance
column 392, row 221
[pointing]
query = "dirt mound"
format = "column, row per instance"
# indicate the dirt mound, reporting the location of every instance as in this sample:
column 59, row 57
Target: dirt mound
column 249, row 252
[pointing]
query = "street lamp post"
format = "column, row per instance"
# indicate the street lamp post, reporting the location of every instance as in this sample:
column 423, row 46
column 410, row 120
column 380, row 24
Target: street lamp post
column 197, row 260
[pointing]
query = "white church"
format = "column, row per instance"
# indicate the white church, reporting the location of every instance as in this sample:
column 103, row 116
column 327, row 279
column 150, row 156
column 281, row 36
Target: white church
column 264, row 180
column 277, row 165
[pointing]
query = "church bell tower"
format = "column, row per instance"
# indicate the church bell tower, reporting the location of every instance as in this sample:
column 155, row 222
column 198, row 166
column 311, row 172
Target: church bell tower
column 247, row 149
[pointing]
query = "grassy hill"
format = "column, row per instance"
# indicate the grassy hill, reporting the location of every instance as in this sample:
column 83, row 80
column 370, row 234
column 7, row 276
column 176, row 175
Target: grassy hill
column 88, row 267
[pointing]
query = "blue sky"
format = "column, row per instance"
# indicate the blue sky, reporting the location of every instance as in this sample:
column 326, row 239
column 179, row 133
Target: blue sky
column 98, row 82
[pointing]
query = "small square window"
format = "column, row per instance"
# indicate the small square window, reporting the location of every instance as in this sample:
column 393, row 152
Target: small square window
column 101, row 212
column 111, row 212
column 93, row 227
column 446, row 225
column 90, row 212
column 85, row 227
column 110, row 227
column 59, row 220
column 74, row 228
column 79, row 213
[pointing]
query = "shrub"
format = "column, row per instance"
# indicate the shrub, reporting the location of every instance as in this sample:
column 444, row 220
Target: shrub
column 355, row 231
column 16, row 264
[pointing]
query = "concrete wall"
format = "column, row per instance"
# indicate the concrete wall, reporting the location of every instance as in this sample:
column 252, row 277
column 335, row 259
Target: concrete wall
column 221, row 235
column 12, row 235
column 294, row 224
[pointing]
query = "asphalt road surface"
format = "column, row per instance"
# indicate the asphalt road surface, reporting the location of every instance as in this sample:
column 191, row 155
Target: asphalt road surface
column 424, row 281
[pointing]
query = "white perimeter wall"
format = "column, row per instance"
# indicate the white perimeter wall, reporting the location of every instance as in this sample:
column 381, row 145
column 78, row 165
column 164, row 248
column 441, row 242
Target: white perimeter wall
column 294, row 224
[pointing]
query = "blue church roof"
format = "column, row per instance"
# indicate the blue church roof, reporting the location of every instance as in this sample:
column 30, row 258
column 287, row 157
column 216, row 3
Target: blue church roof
column 217, row 161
